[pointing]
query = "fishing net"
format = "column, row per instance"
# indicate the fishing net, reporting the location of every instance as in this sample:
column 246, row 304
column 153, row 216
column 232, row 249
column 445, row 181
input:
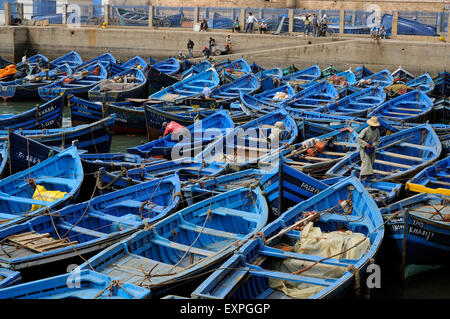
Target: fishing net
column 317, row 243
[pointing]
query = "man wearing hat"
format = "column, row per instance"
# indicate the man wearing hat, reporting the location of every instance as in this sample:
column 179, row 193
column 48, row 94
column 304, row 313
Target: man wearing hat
column 368, row 140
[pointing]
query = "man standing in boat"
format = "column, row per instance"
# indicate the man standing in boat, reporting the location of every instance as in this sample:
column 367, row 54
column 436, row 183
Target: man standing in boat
column 368, row 140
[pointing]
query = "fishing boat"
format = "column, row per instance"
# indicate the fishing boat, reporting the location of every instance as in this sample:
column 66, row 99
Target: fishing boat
column 362, row 72
column 157, row 80
column 324, row 119
column 298, row 78
column 45, row 116
column 19, row 200
column 230, row 91
column 196, row 68
column 276, row 95
column 27, row 88
column 434, row 179
column 88, row 227
column 188, row 169
column 169, row 66
column 206, row 234
column 131, row 17
column 253, row 106
column 383, row 193
column 127, row 84
column 233, row 70
column 402, row 76
column 442, row 84
column 423, row 82
column 274, row 72
column 398, row 155
column 129, row 116
column 72, row 59
column 380, row 79
column 105, row 59
column 9, row 278
column 3, row 158
column 93, row 138
column 201, row 132
column 4, row 63
column 318, row 153
column 418, row 226
column 78, row 83
column 413, row 106
column 248, row 143
column 190, row 87
column 138, row 63
column 329, row 71
column 86, row 284
column 281, row 265
column 357, row 104
column 314, row 96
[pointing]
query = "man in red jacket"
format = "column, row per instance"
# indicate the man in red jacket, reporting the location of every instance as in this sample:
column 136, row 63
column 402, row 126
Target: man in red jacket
column 172, row 127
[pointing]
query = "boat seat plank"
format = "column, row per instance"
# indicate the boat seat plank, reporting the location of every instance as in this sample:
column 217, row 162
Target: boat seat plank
column 174, row 245
column 209, row 231
column 392, row 164
column 390, row 154
column 422, row 147
column 81, row 230
column 225, row 211
column 294, row 278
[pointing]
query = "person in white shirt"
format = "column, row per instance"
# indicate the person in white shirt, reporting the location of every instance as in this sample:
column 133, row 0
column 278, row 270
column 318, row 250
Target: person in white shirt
column 250, row 20
column 207, row 91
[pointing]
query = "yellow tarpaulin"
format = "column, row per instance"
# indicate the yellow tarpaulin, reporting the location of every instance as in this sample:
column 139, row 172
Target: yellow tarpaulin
column 49, row 196
column 423, row 189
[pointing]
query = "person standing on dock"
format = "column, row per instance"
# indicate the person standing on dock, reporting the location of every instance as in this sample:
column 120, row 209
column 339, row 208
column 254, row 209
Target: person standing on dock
column 315, row 25
column 228, row 43
column 190, row 46
column 307, row 23
column 368, row 140
column 250, row 20
column 206, row 52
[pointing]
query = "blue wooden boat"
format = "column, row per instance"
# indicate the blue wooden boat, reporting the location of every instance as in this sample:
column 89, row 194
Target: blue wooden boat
column 185, row 244
column 362, row 72
column 262, row 267
column 130, row 116
column 398, row 156
column 9, row 278
column 3, row 158
column 314, row 96
column 275, row 95
column 325, row 119
column 187, row 169
column 254, row 106
column 413, row 106
column 423, row 82
column 131, row 17
column 78, row 83
column 274, row 72
column 196, row 68
column 229, row 92
column 138, row 63
column 169, row 66
column 88, row 227
column 402, row 76
column 310, row 157
column 86, row 284
column 37, row 60
column 248, row 143
column 93, row 138
column 184, row 115
column 442, row 84
column 105, row 59
column 158, row 80
column 127, row 84
column 407, row 26
column 357, row 104
column 298, row 78
column 202, row 132
column 421, row 239
column 233, row 70
column 383, row 193
column 45, row 116
column 62, row 172
column 381, row 79
column 190, row 87
column 72, row 59
column 435, row 179
column 27, row 88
